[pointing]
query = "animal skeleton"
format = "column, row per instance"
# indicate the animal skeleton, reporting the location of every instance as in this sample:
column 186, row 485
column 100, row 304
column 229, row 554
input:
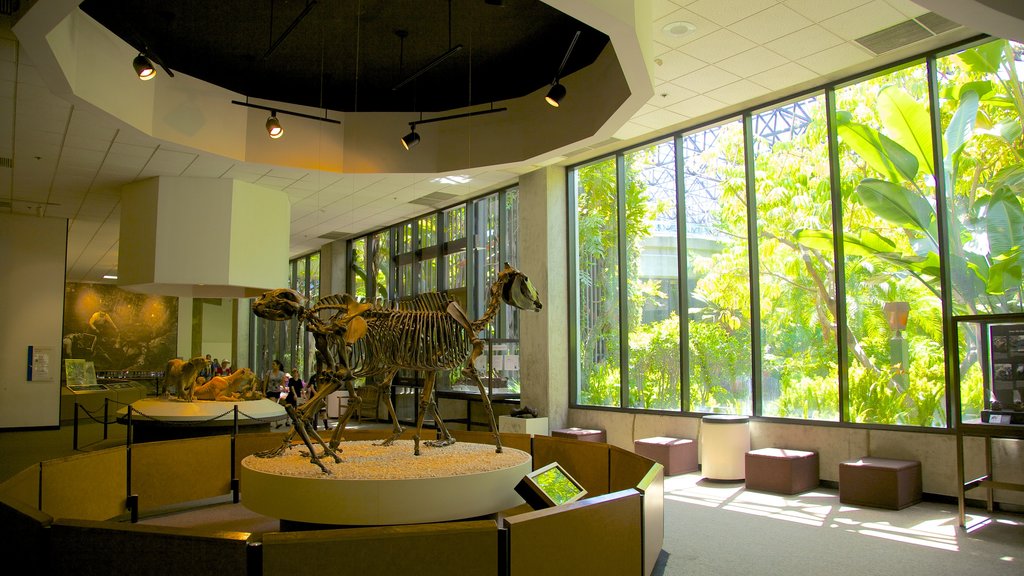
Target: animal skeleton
column 429, row 333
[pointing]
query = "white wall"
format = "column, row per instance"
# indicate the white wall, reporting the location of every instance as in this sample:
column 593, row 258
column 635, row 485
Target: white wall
column 31, row 314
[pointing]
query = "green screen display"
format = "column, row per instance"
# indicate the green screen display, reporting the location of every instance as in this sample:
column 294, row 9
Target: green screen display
column 557, row 485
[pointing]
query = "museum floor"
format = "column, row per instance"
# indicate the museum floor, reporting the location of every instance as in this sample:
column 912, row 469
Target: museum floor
column 710, row 527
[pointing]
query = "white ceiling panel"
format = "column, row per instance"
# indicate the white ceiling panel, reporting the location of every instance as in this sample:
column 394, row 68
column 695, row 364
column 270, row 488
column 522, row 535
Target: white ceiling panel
column 770, row 24
column 726, row 12
column 784, row 76
column 753, row 61
column 864, row 20
column 716, row 46
column 803, row 42
column 835, row 59
column 818, row 10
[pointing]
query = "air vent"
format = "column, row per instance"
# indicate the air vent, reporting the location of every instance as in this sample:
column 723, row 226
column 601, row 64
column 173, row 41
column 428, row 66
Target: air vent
column 6, row 162
column 5, row 203
column 906, row 33
column 434, row 199
column 335, row 235
column 937, row 24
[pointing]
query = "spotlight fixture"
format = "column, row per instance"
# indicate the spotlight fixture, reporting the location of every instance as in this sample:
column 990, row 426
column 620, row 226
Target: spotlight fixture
column 411, row 139
column 555, row 94
column 557, row 91
column 274, row 126
column 143, row 67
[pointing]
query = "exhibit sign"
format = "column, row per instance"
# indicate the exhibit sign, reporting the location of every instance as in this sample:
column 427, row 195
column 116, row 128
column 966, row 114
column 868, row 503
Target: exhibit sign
column 40, row 360
column 549, row 486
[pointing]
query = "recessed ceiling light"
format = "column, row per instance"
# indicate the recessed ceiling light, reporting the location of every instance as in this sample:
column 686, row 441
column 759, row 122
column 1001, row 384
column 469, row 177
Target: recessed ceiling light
column 109, row 277
column 678, row 29
column 454, row 179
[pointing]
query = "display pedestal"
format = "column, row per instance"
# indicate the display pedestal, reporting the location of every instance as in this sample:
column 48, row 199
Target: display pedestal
column 515, row 425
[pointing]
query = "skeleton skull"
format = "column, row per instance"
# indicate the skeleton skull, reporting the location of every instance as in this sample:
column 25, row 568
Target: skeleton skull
column 279, row 304
column 519, row 291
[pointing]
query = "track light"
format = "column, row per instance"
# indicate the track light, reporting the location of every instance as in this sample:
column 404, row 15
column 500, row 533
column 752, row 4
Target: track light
column 555, row 94
column 274, row 126
column 143, row 67
column 411, row 139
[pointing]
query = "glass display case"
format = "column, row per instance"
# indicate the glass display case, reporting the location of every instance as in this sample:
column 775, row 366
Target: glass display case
column 988, row 378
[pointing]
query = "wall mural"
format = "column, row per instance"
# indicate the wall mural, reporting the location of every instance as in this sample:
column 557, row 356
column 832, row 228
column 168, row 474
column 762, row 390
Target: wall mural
column 117, row 329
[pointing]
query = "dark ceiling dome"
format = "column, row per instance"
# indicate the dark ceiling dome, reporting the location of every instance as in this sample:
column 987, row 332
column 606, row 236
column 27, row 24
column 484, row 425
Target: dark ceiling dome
column 357, row 55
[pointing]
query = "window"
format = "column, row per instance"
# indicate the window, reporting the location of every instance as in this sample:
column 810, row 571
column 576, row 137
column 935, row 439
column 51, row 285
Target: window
column 815, row 234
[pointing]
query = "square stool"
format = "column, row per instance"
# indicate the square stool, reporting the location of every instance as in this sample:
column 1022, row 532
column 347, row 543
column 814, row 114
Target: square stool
column 583, row 434
column 880, row 482
column 677, row 455
column 781, row 470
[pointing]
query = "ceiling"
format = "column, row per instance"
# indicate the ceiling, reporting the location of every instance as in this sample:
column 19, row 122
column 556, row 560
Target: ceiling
column 364, row 56
column 69, row 161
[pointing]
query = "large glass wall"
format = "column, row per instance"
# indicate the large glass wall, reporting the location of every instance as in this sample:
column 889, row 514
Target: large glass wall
column 829, row 242
column 717, row 268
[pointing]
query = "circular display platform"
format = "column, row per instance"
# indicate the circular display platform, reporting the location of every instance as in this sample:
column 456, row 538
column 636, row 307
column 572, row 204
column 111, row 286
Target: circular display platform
column 385, row 485
column 203, row 412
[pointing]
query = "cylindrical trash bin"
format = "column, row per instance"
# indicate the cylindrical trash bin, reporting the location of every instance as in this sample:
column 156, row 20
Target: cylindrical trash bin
column 724, row 442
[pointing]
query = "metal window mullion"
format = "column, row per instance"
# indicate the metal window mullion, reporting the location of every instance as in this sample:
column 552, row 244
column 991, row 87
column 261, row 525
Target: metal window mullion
column 755, row 280
column 472, row 282
column 501, row 321
column 573, row 286
column 839, row 251
column 442, row 252
column 949, row 331
column 620, row 202
column 684, row 285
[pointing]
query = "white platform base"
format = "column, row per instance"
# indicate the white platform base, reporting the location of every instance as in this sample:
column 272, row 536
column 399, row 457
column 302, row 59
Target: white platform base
column 375, row 485
column 523, row 425
column 199, row 411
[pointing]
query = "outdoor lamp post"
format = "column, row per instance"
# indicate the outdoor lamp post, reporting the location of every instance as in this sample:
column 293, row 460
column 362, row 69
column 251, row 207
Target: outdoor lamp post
column 896, row 314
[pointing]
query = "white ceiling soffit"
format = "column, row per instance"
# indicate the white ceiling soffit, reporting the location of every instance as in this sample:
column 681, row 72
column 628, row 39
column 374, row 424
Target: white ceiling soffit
column 84, row 62
column 1003, row 18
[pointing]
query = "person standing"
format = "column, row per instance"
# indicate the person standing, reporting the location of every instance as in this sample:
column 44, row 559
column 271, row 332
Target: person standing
column 275, row 379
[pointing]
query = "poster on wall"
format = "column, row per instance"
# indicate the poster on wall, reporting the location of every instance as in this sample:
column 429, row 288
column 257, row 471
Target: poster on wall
column 1007, row 364
column 118, row 330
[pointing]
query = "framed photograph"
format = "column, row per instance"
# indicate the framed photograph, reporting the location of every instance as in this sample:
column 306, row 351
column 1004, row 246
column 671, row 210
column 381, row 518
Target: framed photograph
column 1005, row 363
column 549, row 486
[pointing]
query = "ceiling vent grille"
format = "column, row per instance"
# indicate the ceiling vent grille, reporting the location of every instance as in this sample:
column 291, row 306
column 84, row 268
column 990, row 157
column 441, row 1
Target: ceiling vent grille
column 335, row 235
column 434, row 199
column 906, row 33
column 5, row 204
column 6, row 162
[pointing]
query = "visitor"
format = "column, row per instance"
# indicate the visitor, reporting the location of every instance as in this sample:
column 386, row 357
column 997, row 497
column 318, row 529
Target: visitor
column 225, row 368
column 295, row 386
column 275, row 380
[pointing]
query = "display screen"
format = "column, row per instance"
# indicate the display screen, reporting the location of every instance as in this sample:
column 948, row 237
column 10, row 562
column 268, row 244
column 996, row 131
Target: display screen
column 559, row 487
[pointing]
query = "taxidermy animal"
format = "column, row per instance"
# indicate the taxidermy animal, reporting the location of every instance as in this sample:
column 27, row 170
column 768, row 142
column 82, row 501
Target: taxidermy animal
column 236, row 386
column 182, row 375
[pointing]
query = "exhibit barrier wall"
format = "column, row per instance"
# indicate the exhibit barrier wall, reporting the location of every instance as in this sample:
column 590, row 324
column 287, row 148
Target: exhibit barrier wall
column 439, row 549
column 87, row 548
column 587, row 462
column 606, row 531
column 67, row 516
column 164, row 473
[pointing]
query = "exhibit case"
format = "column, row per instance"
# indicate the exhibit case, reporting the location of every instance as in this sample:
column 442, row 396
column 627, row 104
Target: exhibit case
column 988, row 378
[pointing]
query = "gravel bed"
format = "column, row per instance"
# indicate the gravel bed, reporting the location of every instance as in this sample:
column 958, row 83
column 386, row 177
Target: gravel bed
column 363, row 460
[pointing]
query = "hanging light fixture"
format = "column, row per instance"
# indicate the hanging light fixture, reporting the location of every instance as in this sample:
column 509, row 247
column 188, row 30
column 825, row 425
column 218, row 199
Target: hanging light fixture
column 143, row 67
column 557, row 92
column 274, row 126
column 411, row 139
